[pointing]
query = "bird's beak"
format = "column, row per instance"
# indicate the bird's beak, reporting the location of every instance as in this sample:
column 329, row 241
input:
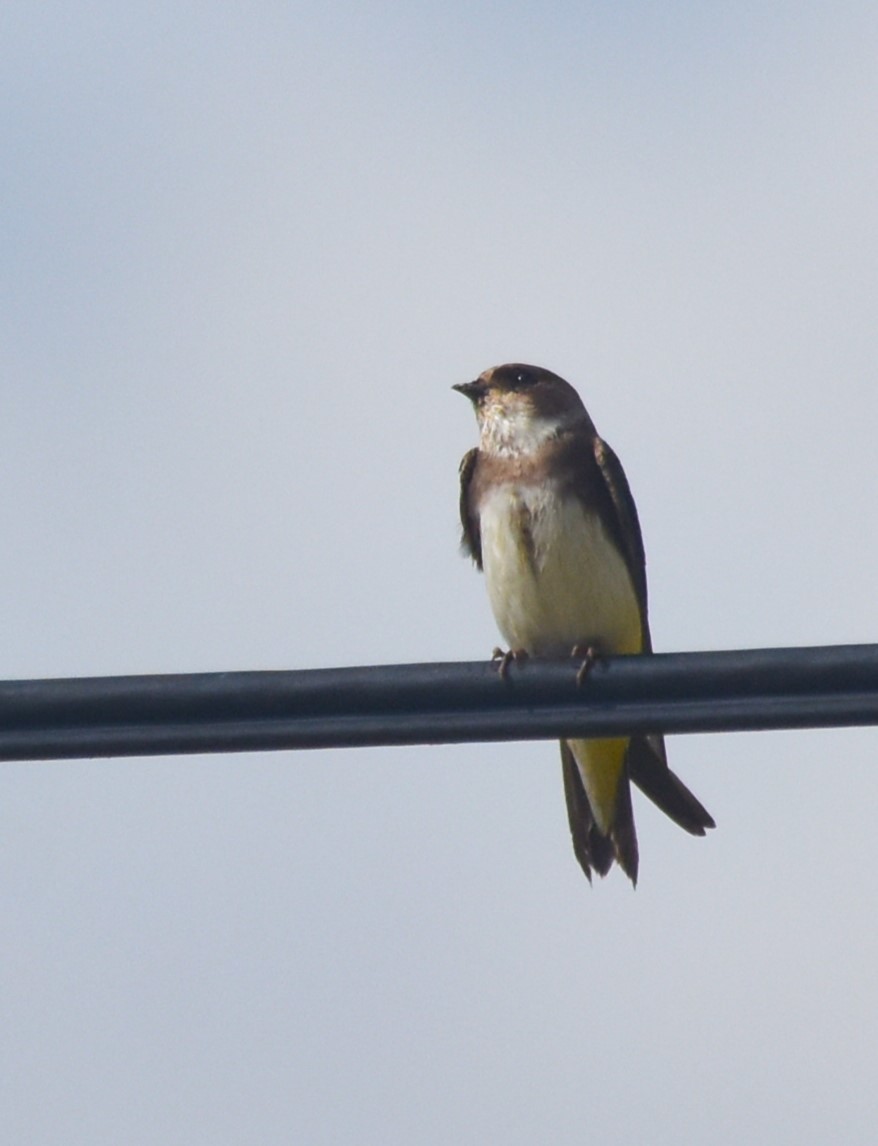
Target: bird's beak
column 471, row 390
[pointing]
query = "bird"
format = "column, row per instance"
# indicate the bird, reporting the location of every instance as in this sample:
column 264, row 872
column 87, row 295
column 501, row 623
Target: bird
column 547, row 514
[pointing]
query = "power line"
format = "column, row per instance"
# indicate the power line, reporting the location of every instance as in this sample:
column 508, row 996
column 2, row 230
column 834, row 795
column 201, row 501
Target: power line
column 438, row 703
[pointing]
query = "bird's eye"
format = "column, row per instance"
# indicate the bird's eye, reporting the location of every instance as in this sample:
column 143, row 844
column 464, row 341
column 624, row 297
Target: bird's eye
column 524, row 378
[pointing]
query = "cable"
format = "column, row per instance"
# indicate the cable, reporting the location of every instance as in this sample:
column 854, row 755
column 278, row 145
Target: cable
column 438, row 703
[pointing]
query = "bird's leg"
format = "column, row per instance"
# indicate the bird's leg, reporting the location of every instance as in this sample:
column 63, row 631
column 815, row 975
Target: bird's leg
column 589, row 654
column 505, row 659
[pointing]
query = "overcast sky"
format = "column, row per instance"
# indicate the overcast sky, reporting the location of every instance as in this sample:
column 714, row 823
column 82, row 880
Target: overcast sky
column 247, row 250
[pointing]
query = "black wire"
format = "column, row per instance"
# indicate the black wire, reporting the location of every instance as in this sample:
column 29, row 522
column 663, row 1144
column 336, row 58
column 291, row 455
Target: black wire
column 438, row 703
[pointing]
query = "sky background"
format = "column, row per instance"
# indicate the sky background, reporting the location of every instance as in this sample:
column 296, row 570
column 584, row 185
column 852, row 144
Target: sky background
column 246, row 251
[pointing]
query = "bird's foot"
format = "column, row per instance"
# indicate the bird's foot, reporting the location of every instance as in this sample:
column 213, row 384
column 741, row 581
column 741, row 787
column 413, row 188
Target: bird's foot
column 590, row 655
column 505, row 659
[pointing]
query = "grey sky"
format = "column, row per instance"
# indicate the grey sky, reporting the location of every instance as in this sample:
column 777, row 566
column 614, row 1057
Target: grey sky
column 246, row 253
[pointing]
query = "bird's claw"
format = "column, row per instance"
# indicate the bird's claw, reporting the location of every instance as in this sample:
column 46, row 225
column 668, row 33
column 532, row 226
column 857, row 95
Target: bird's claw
column 589, row 655
column 505, row 659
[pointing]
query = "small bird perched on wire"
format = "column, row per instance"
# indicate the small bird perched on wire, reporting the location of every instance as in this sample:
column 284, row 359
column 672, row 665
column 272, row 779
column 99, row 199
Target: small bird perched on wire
column 548, row 516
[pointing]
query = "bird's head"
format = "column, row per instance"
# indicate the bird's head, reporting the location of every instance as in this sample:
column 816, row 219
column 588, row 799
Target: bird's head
column 520, row 407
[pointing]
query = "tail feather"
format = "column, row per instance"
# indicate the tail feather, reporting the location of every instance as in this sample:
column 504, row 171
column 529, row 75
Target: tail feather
column 648, row 768
column 594, row 850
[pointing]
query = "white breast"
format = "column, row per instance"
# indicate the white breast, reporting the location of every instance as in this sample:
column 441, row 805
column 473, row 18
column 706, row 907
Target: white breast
column 555, row 579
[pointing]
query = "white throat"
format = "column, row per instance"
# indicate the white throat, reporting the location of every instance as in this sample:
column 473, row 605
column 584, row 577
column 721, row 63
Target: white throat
column 511, row 432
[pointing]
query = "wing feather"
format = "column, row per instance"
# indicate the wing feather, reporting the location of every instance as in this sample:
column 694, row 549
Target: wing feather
column 625, row 526
column 471, row 538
